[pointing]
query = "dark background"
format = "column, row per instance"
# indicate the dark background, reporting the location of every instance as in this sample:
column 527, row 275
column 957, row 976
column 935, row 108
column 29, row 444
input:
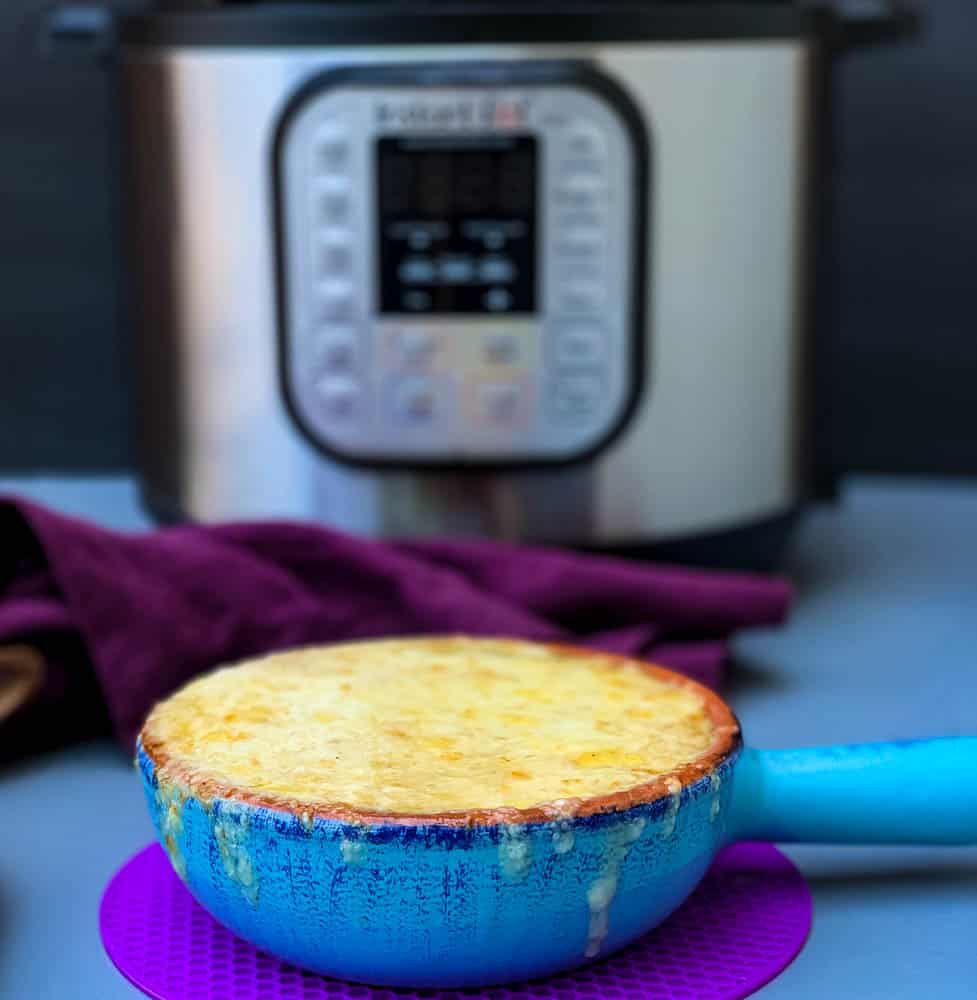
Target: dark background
column 902, row 392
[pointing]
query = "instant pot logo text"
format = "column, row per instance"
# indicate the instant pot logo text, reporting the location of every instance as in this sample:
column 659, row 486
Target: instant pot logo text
column 475, row 112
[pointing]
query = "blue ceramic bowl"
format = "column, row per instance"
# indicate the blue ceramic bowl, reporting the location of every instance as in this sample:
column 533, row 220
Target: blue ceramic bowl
column 439, row 904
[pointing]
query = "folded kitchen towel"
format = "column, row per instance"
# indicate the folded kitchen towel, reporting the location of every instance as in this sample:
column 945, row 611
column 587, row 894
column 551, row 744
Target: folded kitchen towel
column 140, row 614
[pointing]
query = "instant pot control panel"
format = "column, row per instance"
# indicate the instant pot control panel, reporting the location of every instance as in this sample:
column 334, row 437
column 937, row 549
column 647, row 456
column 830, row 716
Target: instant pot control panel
column 460, row 262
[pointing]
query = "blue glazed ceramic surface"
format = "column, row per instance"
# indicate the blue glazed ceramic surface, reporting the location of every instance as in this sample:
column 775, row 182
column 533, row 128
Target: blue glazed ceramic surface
column 441, row 905
column 908, row 792
column 455, row 906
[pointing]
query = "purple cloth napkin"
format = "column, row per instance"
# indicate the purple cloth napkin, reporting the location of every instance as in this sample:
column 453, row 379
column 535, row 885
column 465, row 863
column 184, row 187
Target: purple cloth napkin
column 148, row 611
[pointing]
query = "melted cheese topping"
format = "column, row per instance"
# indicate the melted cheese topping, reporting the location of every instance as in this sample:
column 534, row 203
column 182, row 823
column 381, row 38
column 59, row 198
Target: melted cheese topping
column 432, row 725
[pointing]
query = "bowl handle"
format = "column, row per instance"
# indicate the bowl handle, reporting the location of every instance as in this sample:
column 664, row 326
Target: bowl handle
column 917, row 792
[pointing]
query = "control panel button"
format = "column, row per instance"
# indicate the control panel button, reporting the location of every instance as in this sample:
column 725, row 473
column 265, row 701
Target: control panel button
column 576, row 396
column 332, row 147
column 334, row 300
column 501, row 348
column 580, row 194
column 578, row 266
column 579, row 198
column 417, row 401
column 553, row 119
column 580, row 295
column 332, row 207
column 335, row 258
column 578, row 169
column 339, row 396
column 580, row 344
column 580, row 269
column 417, row 347
column 580, row 241
column 500, row 403
column 585, row 141
column 336, row 349
column 579, row 218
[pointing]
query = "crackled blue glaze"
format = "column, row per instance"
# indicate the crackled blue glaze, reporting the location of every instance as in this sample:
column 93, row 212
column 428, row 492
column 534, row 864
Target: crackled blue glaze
column 448, row 906
column 440, row 905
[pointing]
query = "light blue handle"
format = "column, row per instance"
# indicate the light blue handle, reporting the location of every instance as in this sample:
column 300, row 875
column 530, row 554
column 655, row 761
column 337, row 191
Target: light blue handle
column 920, row 792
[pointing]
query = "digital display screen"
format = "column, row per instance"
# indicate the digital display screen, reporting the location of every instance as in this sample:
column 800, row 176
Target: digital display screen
column 457, row 224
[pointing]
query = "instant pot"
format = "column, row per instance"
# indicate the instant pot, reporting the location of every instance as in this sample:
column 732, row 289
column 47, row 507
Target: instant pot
column 510, row 270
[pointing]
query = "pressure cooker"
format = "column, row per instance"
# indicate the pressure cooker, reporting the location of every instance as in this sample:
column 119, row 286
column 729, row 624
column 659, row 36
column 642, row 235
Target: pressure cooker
column 516, row 270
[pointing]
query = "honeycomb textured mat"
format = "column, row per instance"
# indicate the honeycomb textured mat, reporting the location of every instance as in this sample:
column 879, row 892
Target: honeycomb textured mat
column 745, row 923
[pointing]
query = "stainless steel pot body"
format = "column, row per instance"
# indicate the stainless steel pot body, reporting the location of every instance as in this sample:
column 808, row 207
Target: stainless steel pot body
column 717, row 439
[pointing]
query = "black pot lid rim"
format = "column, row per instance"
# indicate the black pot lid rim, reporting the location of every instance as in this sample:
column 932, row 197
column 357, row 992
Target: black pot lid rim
column 387, row 22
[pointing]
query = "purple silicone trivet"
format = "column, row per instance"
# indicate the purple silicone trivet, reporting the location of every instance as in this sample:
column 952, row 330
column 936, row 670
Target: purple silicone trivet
column 745, row 923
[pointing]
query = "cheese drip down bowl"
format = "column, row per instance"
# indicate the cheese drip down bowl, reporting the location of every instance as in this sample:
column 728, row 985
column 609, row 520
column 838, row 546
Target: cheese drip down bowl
column 451, row 812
